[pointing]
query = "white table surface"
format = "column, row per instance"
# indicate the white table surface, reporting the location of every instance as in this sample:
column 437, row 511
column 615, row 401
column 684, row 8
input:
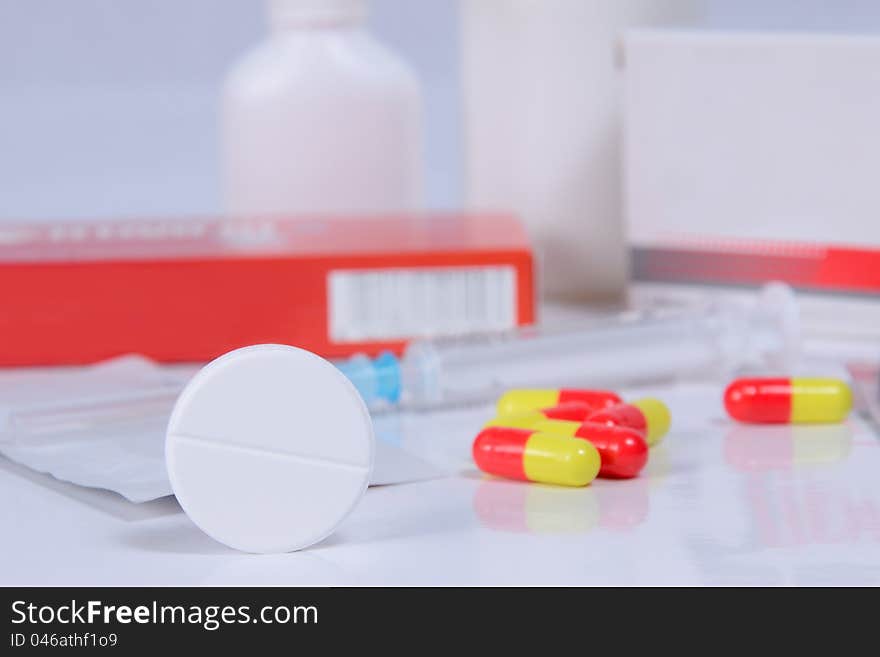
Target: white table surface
column 718, row 504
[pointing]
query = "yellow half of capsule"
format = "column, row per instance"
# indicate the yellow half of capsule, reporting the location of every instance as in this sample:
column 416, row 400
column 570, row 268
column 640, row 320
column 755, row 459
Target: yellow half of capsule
column 559, row 427
column 516, row 401
column 521, row 420
column 657, row 417
column 820, row 400
column 552, row 459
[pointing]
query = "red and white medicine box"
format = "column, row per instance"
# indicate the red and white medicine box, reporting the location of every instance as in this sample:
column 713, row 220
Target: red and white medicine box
column 190, row 290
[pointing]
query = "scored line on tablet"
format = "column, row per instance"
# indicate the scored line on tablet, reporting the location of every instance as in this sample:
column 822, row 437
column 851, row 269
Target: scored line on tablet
column 302, row 458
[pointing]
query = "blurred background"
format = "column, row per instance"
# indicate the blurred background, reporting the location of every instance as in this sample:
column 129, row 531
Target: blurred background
column 108, row 108
column 627, row 143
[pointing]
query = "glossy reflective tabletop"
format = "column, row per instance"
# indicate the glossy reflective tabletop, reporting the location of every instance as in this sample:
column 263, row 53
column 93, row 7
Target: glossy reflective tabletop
column 719, row 503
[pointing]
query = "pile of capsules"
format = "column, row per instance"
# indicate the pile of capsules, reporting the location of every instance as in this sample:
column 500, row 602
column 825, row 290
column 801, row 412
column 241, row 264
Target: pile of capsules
column 569, row 437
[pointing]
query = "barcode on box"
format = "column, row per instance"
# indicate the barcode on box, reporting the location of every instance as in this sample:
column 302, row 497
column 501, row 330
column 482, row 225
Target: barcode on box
column 378, row 305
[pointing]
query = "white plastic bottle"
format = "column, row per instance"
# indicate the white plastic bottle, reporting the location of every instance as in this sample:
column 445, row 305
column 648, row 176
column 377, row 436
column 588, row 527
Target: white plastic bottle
column 321, row 118
column 541, row 99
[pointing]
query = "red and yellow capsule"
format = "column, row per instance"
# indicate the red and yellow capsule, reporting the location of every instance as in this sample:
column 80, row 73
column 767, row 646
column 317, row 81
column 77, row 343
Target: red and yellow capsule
column 536, row 456
column 515, row 401
column 788, row 400
column 575, row 411
column 649, row 416
column 623, row 451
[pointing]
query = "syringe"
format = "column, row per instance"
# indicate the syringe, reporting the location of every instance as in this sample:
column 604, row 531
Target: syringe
column 630, row 348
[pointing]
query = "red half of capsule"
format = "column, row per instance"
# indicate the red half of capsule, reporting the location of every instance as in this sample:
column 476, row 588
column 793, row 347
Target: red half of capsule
column 624, row 451
column 595, row 398
column 621, row 415
column 762, row 400
column 500, row 452
column 573, row 411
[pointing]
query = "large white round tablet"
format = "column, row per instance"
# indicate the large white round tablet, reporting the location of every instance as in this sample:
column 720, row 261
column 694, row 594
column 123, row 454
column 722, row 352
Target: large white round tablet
column 269, row 448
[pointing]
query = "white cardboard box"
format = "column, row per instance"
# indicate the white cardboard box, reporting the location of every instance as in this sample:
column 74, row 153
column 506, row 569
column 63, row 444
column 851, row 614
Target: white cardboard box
column 754, row 156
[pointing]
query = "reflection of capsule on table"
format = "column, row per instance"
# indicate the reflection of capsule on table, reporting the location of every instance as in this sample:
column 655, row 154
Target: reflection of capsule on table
column 623, row 505
column 538, row 509
column 535, row 509
column 626, row 504
column 758, row 449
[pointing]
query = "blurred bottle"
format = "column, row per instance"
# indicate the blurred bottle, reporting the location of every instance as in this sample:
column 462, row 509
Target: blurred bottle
column 541, row 124
column 321, row 118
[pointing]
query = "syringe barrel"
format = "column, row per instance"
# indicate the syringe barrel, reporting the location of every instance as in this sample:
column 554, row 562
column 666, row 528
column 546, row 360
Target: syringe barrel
column 630, row 348
column 714, row 339
column 626, row 351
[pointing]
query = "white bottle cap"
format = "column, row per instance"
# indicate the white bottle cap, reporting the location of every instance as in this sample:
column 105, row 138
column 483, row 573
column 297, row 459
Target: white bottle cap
column 291, row 13
column 269, row 448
